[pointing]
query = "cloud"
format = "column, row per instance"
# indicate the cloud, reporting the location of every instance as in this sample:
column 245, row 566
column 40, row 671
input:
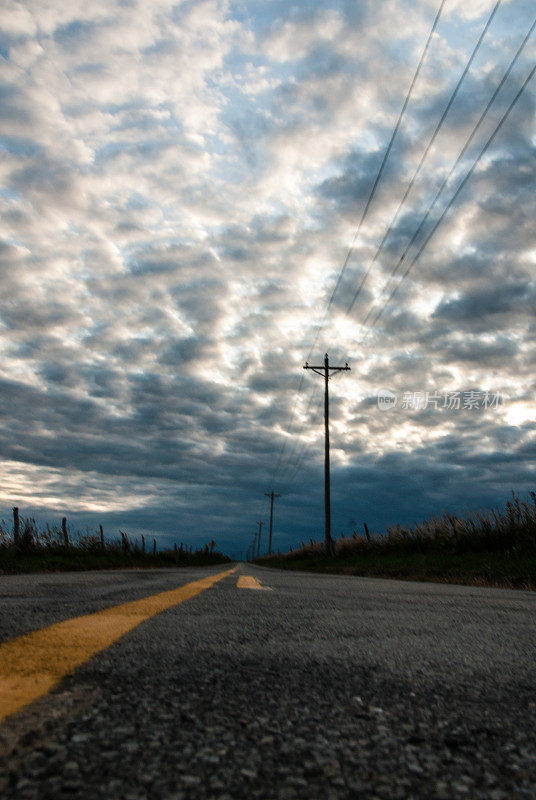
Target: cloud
column 181, row 185
column 486, row 302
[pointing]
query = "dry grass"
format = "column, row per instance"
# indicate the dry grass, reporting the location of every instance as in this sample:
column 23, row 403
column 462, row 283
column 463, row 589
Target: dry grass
column 45, row 548
column 503, row 530
column 493, row 548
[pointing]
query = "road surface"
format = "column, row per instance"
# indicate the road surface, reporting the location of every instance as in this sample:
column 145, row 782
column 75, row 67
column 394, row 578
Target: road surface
column 314, row 686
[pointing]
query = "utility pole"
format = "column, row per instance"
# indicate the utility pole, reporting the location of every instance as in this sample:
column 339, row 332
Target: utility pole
column 259, row 540
column 271, row 495
column 324, row 372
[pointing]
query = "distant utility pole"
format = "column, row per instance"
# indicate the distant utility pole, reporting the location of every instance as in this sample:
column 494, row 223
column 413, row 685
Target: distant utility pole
column 271, row 495
column 324, row 371
column 259, row 540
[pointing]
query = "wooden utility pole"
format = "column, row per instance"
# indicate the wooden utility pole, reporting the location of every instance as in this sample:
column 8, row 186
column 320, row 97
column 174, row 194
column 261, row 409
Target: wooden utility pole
column 271, row 495
column 325, row 371
column 259, row 540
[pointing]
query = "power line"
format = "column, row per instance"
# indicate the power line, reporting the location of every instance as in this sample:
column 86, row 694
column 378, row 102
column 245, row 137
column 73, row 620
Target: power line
column 301, row 449
column 456, row 163
column 363, row 217
column 289, row 425
column 460, row 188
column 455, row 195
column 306, row 447
column 445, row 182
column 379, row 174
column 425, row 153
column 295, row 442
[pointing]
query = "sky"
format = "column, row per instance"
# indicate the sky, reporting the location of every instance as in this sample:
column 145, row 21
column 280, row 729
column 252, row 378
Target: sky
column 182, row 185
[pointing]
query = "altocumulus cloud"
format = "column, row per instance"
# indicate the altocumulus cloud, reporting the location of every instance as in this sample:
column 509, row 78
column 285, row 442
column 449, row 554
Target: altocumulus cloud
column 181, row 182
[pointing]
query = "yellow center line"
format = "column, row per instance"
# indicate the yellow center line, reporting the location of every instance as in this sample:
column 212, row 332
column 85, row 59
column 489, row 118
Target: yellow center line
column 249, row 582
column 34, row 663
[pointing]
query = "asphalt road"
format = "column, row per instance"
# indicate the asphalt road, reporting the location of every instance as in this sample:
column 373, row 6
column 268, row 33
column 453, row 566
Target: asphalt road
column 320, row 687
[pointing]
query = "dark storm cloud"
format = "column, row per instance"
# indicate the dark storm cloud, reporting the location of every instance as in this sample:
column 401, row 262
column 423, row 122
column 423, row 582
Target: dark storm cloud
column 483, row 352
column 43, row 178
column 11, row 106
column 133, row 445
column 502, row 299
column 184, row 350
column 37, row 317
column 354, row 180
column 389, row 490
column 75, row 34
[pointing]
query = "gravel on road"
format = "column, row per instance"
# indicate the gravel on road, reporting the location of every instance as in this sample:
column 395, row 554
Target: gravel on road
column 323, row 687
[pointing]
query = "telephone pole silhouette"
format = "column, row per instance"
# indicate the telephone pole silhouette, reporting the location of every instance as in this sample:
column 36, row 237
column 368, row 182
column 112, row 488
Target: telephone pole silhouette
column 259, row 540
column 271, row 495
column 324, row 371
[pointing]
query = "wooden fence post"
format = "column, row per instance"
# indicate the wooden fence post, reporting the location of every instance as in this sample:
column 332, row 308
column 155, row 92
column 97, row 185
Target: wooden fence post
column 367, row 534
column 16, row 526
column 64, row 532
column 143, row 544
column 154, row 547
column 101, row 537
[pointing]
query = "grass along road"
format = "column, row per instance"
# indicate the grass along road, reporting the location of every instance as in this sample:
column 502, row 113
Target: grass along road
column 492, row 548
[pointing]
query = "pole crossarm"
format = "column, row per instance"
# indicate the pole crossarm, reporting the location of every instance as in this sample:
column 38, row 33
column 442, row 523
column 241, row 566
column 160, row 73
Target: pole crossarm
column 322, row 370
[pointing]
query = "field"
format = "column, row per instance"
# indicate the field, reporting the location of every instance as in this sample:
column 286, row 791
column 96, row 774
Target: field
column 496, row 548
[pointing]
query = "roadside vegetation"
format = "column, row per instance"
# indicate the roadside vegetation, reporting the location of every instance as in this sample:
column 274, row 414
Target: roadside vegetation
column 496, row 548
column 27, row 548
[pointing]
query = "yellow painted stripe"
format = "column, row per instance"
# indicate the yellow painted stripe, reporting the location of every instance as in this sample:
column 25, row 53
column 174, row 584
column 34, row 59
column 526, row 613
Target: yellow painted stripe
column 32, row 664
column 248, row 582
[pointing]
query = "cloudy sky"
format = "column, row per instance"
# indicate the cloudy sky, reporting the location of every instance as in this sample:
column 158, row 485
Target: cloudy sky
column 181, row 184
